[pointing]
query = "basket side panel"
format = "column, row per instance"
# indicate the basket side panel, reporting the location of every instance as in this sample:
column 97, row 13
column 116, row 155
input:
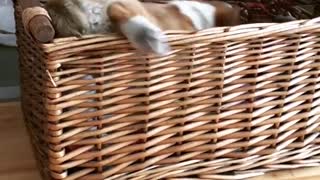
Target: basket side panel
column 33, row 98
column 249, row 103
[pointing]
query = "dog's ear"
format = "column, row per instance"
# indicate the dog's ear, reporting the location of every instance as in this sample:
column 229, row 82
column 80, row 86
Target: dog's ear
column 141, row 33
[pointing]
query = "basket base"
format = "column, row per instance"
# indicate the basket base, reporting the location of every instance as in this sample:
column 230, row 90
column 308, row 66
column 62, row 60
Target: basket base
column 17, row 165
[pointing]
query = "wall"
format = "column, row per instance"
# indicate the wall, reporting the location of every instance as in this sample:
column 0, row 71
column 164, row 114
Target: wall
column 9, row 73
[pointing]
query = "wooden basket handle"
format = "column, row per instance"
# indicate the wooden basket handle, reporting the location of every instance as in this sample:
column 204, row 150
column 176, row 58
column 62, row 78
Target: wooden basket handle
column 37, row 21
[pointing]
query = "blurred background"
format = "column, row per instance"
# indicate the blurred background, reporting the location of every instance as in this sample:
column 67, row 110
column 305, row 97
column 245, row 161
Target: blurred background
column 9, row 74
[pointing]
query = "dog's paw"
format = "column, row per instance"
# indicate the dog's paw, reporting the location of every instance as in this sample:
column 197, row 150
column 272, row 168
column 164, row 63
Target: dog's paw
column 145, row 36
column 154, row 41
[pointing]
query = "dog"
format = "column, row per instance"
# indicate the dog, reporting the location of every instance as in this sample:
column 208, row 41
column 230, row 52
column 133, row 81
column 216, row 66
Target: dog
column 142, row 23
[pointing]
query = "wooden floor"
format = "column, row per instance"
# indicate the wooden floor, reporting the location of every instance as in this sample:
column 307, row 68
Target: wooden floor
column 17, row 162
column 16, row 159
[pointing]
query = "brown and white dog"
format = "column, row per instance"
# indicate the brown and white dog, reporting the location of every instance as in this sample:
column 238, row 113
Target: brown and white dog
column 142, row 23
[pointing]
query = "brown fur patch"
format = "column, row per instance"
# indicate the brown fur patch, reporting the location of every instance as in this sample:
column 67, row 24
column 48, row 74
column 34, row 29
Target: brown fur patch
column 168, row 16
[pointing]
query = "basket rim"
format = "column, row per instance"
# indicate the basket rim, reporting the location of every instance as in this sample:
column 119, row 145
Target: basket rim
column 212, row 35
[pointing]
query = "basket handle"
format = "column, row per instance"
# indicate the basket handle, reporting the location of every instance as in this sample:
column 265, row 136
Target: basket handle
column 36, row 21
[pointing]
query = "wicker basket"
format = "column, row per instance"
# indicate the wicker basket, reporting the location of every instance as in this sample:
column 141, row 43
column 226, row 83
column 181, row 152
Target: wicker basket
column 227, row 103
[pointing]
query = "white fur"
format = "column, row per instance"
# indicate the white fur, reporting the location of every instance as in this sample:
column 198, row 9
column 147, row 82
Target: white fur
column 94, row 10
column 144, row 35
column 201, row 14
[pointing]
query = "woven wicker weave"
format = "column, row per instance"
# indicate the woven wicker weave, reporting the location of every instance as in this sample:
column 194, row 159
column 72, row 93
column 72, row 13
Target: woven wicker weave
column 227, row 103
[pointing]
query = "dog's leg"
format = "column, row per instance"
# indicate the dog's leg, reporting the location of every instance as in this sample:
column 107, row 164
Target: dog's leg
column 135, row 23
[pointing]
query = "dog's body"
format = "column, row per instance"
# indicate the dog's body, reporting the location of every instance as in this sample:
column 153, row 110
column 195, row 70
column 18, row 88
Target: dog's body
column 142, row 23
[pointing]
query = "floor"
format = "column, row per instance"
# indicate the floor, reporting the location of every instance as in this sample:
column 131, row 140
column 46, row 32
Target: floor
column 17, row 162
